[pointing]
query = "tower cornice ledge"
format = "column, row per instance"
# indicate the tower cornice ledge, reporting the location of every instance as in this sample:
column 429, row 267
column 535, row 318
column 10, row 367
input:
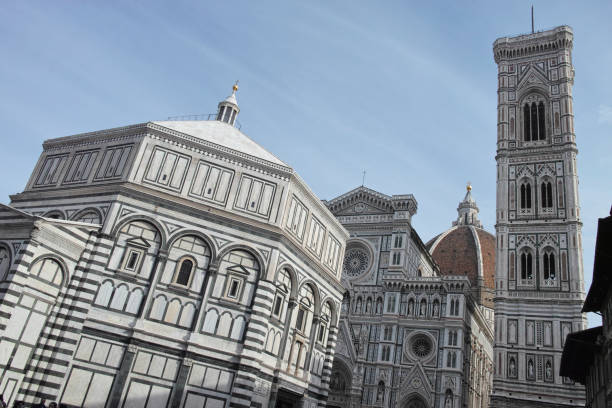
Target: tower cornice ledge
column 521, row 46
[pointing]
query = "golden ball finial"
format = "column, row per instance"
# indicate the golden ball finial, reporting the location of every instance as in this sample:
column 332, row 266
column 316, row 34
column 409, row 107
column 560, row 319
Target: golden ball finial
column 235, row 87
column 469, row 186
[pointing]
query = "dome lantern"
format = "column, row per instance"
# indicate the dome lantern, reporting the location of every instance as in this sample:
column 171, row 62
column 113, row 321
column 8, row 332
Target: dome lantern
column 467, row 212
column 228, row 109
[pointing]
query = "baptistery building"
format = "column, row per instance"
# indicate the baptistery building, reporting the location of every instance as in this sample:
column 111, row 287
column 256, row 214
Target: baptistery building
column 416, row 320
column 168, row 264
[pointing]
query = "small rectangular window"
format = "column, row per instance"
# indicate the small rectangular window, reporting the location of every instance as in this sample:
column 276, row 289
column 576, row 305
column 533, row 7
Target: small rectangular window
column 233, row 292
column 132, row 259
column 300, row 320
column 321, row 332
column 278, row 303
column 234, row 288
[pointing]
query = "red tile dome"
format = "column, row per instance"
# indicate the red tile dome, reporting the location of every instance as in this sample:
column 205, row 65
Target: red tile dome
column 466, row 249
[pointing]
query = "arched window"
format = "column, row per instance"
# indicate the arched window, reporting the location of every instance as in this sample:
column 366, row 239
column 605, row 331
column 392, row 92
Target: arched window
column 548, row 265
column 89, row 216
column 48, row 270
column 534, row 122
column 526, row 123
column 546, row 195
column 526, row 266
column 525, row 195
column 55, row 215
column 188, row 260
column 534, row 125
column 541, row 127
column 184, row 272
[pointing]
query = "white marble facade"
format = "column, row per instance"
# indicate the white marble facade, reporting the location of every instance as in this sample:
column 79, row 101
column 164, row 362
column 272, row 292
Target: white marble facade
column 168, row 264
column 408, row 336
column 539, row 273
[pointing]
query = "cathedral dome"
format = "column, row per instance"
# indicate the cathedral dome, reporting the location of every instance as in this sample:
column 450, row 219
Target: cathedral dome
column 466, row 249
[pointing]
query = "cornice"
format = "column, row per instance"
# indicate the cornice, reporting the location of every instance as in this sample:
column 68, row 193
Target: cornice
column 544, row 42
column 159, row 132
column 96, row 138
column 533, row 154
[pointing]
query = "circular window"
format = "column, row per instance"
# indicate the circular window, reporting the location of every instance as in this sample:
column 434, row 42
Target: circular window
column 356, row 261
column 421, row 346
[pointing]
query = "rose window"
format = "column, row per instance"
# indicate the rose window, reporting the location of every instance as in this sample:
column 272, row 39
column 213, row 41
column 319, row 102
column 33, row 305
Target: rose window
column 356, row 262
column 421, row 346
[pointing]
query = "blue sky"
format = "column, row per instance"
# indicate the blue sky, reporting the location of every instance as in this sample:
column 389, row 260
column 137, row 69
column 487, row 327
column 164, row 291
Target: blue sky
column 403, row 90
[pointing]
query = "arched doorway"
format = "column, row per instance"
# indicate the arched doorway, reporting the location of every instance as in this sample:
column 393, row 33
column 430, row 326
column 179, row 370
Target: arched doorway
column 339, row 385
column 415, row 402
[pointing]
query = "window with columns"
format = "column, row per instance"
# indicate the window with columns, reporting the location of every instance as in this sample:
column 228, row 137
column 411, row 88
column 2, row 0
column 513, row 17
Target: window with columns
column 534, row 121
column 526, row 195
column 526, row 267
column 546, row 194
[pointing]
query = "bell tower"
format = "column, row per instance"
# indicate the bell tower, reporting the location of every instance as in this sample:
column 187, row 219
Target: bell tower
column 539, row 283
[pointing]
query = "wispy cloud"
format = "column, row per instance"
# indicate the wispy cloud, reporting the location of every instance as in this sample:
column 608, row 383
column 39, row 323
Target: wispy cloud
column 604, row 114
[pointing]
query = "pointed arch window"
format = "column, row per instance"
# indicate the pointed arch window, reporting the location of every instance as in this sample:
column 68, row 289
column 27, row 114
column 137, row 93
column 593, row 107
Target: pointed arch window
column 534, row 125
column 527, row 267
column 546, row 194
column 526, row 195
column 549, row 267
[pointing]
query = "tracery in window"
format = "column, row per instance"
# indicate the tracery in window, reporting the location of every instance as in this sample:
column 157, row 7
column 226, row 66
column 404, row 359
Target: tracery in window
column 534, row 125
column 525, row 195
column 549, row 266
column 48, row 270
column 526, row 266
column 546, row 194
